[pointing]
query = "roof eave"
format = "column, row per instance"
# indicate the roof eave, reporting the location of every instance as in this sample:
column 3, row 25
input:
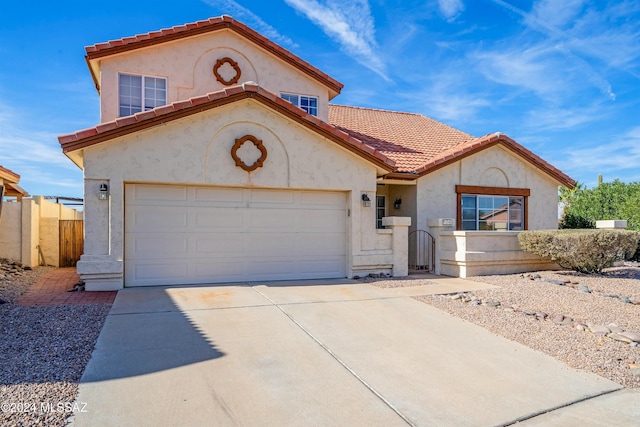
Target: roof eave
column 202, row 27
column 494, row 139
column 80, row 140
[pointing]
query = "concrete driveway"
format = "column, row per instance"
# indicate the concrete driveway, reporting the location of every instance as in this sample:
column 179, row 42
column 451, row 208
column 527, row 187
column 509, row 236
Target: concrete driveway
column 322, row 353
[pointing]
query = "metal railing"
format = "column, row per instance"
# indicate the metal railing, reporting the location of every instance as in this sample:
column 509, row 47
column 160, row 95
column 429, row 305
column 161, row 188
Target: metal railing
column 422, row 252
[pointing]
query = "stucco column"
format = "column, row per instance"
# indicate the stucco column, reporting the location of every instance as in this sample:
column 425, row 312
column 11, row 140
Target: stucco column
column 400, row 243
column 437, row 226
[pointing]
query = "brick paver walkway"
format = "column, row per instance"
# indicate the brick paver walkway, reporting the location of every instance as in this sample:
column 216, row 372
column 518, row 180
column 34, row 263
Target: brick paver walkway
column 51, row 289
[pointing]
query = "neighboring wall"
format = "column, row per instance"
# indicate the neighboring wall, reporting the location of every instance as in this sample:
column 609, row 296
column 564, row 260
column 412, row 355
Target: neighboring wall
column 31, row 223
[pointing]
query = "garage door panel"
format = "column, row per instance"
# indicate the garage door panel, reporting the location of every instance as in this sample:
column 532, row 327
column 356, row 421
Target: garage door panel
column 321, row 221
column 321, row 244
column 221, row 269
column 218, row 218
column 151, row 246
column 159, row 271
column 273, row 198
column 157, row 194
column 269, row 244
column 218, row 244
column 271, row 220
column 195, row 235
column 218, row 196
column 154, row 218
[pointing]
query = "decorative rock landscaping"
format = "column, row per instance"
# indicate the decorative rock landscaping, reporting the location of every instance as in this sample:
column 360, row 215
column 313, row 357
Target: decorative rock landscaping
column 612, row 330
column 590, row 322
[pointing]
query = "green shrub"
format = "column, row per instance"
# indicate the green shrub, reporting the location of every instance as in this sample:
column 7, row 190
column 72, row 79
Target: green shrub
column 573, row 221
column 585, row 251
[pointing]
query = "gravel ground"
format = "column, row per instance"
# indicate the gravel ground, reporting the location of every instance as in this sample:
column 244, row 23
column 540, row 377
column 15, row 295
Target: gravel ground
column 43, row 352
column 525, row 299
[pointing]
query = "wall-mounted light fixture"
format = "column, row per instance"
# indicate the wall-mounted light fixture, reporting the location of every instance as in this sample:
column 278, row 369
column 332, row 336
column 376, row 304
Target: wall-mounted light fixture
column 103, row 193
column 397, row 203
column 366, row 201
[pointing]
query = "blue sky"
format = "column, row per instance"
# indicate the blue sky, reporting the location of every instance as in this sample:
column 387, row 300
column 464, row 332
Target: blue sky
column 560, row 77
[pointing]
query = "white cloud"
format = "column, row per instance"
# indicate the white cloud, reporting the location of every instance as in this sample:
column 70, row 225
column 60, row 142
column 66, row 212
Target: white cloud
column 448, row 97
column 348, row 22
column 548, row 117
column 242, row 13
column 555, row 13
column 603, row 33
column 451, row 9
column 36, row 156
column 615, row 158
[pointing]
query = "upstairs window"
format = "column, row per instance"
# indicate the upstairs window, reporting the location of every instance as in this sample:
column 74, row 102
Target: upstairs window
column 140, row 93
column 307, row 103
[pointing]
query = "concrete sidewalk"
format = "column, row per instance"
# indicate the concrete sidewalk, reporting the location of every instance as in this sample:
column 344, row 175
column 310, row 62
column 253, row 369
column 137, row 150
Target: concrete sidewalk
column 320, row 353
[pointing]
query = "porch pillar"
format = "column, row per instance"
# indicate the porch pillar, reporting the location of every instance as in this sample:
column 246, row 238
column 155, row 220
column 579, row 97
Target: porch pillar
column 400, row 243
column 437, row 226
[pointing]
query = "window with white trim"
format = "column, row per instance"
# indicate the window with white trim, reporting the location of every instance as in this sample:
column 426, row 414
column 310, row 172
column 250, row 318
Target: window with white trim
column 486, row 212
column 307, row 103
column 140, row 93
column 381, row 210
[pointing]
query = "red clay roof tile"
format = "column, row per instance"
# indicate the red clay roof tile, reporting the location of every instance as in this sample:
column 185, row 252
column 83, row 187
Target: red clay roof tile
column 126, row 44
column 419, row 145
column 130, row 124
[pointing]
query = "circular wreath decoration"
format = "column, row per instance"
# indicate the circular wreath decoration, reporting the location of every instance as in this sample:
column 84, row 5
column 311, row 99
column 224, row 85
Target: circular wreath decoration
column 226, row 60
column 239, row 162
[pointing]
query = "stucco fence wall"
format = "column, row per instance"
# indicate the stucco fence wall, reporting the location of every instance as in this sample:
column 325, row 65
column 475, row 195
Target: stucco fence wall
column 31, row 223
column 477, row 253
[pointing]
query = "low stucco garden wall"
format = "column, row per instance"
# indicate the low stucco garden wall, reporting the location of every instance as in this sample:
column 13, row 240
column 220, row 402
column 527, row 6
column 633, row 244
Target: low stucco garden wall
column 478, row 253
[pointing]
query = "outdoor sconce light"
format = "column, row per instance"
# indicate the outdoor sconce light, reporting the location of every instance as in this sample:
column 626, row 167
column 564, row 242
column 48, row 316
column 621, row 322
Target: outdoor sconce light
column 397, row 203
column 366, row 201
column 103, row 193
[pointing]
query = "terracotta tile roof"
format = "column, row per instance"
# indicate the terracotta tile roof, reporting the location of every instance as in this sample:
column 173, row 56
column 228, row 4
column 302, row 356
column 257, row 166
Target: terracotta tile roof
column 167, row 113
column 409, row 139
column 420, row 145
column 470, row 147
column 223, row 22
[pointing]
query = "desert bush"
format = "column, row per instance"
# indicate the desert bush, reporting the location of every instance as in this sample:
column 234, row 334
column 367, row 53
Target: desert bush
column 585, row 251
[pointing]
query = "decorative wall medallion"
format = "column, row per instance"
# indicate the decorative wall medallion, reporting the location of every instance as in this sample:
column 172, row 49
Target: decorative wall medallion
column 233, row 64
column 258, row 144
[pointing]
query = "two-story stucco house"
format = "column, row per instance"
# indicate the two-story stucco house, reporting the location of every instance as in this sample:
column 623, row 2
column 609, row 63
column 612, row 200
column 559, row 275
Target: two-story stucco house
column 219, row 159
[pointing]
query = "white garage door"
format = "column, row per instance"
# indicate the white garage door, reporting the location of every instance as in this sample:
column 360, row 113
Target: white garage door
column 191, row 235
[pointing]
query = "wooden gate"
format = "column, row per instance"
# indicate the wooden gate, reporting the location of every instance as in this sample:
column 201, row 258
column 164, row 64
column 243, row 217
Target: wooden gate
column 71, row 242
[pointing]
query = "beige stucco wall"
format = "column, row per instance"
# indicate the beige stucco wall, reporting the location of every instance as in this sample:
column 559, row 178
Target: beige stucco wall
column 494, row 167
column 188, row 67
column 10, row 231
column 30, row 232
column 31, row 223
column 476, row 253
column 196, row 150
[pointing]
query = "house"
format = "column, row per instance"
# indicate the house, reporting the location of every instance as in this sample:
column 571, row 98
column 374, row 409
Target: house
column 9, row 185
column 219, row 159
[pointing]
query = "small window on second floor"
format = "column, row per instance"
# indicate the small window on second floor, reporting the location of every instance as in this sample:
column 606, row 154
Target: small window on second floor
column 307, row 103
column 140, row 93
